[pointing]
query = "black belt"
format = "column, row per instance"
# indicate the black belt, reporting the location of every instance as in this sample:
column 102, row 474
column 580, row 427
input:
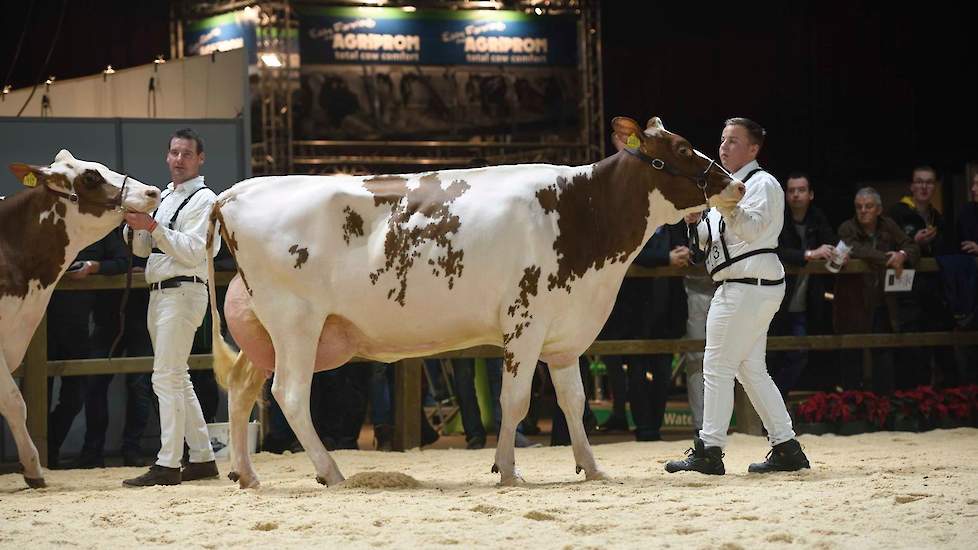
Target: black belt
column 174, row 282
column 753, row 281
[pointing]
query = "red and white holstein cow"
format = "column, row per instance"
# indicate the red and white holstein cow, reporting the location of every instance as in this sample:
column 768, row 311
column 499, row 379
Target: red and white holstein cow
column 70, row 204
column 527, row 257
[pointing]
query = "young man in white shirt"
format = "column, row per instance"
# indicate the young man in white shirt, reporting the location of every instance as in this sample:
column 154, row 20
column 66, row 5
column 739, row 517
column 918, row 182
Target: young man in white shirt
column 174, row 240
column 740, row 243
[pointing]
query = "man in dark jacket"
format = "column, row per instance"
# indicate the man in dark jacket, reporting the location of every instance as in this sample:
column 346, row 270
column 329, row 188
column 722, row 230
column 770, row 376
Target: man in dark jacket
column 650, row 307
column 925, row 308
column 806, row 237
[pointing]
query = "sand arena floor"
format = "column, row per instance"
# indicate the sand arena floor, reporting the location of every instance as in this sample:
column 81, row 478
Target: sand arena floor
column 882, row 490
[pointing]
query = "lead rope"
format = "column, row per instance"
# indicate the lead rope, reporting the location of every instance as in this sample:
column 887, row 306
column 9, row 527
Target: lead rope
column 125, row 298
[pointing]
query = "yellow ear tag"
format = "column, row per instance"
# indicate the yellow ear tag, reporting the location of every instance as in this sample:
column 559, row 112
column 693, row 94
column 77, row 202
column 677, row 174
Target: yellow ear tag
column 633, row 142
column 30, row 180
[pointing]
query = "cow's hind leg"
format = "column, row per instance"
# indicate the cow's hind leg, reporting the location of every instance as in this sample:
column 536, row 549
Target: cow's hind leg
column 570, row 396
column 244, row 389
column 13, row 408
column 520, row 358
column 304, row 342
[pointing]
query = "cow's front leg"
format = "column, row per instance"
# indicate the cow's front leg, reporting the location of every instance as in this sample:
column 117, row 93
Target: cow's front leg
column 244, row 389
column 570, row 396
column 519, row 359
column 13, row 408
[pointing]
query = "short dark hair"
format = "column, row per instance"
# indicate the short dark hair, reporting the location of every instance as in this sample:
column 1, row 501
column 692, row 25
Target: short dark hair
column 799, row 174
column 926, row 168
column 187, row 133
column 755, row 131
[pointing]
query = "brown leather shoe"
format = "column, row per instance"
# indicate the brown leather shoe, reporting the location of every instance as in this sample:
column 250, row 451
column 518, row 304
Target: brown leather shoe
column 200, row 470
column 157, row 475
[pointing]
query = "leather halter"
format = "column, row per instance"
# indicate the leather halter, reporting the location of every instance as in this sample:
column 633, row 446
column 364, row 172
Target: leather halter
column 699, row 179
column 115, row 204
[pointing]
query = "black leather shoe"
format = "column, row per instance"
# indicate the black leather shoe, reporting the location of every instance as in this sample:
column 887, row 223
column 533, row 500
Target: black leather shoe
column 157, row 475
column 783, row 457
column 702, row 459
column 200, row 470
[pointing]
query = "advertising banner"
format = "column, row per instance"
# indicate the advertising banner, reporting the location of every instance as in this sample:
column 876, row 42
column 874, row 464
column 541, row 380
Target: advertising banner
column 363, row 35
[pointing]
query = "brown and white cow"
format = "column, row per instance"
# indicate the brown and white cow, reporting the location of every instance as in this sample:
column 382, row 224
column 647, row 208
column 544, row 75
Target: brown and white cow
column 70, row 204
column 527, row 257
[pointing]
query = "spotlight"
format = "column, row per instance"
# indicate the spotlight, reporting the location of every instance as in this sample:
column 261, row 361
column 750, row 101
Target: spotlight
column 538, row 11
column 159, row 60
column 49, row 81
column 109, row 70
column 409, row 9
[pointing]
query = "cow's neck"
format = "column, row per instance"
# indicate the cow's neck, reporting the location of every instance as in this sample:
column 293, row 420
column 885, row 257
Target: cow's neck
column 41, row 235
column 637, row 202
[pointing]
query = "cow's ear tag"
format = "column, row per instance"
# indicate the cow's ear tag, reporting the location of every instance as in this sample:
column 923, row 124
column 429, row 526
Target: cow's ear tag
column 633, row 142
column 30, row 180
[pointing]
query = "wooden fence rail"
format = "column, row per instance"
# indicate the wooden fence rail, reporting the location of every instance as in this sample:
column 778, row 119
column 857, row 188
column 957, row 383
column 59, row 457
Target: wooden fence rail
column 407, row 432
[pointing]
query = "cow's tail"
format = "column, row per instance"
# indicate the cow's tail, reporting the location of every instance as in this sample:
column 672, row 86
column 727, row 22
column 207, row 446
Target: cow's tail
column 224, row 356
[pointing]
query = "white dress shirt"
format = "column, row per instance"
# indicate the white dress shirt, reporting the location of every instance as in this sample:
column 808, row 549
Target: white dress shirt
column 754, row 223
column 184, row 246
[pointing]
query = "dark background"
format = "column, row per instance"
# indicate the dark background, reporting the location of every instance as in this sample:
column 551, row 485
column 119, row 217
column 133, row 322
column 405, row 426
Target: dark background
column 851, row 92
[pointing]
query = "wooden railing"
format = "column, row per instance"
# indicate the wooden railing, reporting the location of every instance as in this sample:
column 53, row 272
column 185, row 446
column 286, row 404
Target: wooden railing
column 37, row 368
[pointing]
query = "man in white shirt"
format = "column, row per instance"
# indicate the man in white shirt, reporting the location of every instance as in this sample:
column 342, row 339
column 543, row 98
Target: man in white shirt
column 740, row 242
column 174, row 240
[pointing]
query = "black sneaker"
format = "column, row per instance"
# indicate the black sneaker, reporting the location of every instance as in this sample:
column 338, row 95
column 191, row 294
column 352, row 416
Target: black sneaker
column 200, row 470
column 783, row 457
column 157, row 475
column 702, row 459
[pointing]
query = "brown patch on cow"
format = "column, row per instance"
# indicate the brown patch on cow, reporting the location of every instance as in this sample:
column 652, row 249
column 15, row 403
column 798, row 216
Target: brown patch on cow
column 403, row 245
column 353, row 227
column 528, row 287
column 386, row 189
column 602, row 219
column 512, row 366
column 229, row 239
column 96, row 196
column 32, row 249
column 302, row 254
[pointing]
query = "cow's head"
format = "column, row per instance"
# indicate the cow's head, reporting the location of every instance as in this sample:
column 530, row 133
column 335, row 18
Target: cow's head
column 685, row 177
column 93, row 187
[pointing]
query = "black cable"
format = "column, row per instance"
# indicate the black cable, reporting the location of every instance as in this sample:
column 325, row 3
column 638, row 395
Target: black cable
column 27, row 25
column 57, row 33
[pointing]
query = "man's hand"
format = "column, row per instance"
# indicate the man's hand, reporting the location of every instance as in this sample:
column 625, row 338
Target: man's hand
column 140, row 220
column 969, row 247
column 693, row 218
column 925, row 235
column 895, row 260
column 823, row 253
column 679, row 256
column 88, row 267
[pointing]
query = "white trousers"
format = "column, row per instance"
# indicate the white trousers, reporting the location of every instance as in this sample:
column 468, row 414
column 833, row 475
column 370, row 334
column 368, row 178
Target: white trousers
column 173, row 317
column 736, row 339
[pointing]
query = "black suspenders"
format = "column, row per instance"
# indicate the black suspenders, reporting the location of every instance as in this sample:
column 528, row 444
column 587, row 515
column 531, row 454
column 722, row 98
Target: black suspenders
column 723, row 243
column 173, row 218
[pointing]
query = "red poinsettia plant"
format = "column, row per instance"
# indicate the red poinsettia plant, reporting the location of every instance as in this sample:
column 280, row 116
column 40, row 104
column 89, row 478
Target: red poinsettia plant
column 924, row 402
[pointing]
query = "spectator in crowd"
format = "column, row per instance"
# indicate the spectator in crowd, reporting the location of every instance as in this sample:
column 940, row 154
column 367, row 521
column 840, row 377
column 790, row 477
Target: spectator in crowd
column 134, row 342
column 174, row 240
column 967, row 222
column 861, row 305
column 69, row 318
column 740, row 239
column 806, row 237
column 925, row 308
column 381, row 411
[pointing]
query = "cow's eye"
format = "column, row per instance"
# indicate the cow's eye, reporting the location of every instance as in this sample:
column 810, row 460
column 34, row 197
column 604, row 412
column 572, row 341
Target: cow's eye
column 90, row 179
column 685, row 151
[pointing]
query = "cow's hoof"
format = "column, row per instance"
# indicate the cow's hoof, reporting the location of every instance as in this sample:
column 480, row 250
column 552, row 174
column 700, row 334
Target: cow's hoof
column 35, row 482
column 322, row 480
column 233, row 476
column 495, row 469
column 579, row 469
column 597, row 475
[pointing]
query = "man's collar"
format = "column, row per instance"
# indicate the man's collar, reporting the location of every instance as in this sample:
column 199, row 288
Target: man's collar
column 192, row 184
column 745, row 169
